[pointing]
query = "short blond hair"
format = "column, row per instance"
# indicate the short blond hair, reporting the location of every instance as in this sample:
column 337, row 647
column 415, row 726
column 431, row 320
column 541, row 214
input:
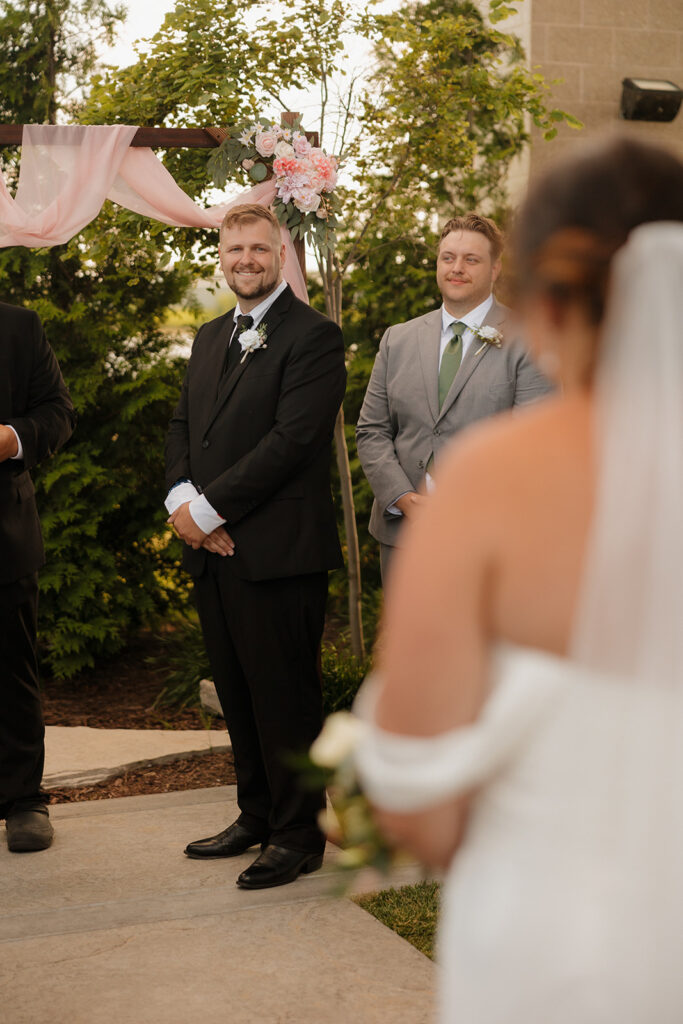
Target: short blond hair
column 247, row 213
column 476, row 222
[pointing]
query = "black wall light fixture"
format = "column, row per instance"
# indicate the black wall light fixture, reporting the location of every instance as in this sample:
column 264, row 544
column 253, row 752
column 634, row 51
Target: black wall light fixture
column 649, row 99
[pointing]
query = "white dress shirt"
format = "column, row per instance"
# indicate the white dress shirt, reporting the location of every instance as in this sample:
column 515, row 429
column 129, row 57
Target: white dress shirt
column 20, row 447
column 201, row 510
column 474, row 318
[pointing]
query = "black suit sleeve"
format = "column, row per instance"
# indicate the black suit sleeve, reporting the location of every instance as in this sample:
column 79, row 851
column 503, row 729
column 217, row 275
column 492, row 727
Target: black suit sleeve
column 178, row 440
column 311, row 393
column 47, row 419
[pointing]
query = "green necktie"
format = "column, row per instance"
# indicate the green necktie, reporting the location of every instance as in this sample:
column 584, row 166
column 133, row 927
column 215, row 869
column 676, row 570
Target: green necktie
column 450, row 361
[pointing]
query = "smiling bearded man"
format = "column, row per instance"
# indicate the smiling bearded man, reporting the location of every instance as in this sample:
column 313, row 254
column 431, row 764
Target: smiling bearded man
column 438, row 373
column 248, row 467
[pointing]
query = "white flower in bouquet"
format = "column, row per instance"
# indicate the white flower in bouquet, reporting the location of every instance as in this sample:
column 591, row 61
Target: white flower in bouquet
column 283, row 149
column 337, row 741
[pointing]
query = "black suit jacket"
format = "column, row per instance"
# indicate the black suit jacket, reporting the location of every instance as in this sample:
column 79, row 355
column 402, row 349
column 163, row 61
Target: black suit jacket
column 33, row 400
column 258, row 441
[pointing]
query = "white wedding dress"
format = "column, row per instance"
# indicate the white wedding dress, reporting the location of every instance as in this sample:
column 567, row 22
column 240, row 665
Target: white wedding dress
column 564, row 902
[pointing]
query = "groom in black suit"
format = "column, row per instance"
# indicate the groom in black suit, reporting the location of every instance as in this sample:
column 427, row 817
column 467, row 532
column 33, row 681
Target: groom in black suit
column 36, row 418
column 248, row 467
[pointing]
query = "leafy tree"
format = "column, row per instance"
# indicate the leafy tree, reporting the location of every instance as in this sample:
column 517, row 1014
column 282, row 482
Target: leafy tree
column 47, row 48
column 111, row 563
column 110, row 567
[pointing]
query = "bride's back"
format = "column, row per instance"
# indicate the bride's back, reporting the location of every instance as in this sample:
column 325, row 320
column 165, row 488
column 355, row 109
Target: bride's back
column 500, row 552
column 530, row 479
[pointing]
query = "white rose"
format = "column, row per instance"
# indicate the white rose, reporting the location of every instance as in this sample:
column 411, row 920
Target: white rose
column 489, row 332
column 284, row 149
column 338, row 739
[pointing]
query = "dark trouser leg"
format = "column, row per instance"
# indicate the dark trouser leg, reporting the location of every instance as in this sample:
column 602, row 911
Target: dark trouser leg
column 275, row 627
column 22, row 733
column 253, row 796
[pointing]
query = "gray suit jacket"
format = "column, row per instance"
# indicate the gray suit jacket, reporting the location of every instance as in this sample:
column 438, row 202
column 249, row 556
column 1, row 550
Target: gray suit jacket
column 401, row 425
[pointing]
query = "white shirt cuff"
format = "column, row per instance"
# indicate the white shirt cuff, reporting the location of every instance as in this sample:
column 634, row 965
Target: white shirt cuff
column 204, row 514
column 429, row 483
column 393, row 509
column 179, row 494
column 20, row 447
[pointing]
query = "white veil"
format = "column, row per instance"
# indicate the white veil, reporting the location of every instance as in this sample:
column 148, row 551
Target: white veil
column 630, row 613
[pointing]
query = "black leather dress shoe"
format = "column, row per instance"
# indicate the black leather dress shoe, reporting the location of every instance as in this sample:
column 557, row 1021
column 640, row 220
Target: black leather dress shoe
column 277, row 866
column 29, row 829
column 231, row 842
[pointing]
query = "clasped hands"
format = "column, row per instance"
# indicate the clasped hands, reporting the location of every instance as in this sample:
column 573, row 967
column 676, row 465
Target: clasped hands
column 218, row 541
column 8, row 443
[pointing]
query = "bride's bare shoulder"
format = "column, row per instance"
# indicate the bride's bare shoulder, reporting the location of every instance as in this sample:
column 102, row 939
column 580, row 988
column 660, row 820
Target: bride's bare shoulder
column 524, row 443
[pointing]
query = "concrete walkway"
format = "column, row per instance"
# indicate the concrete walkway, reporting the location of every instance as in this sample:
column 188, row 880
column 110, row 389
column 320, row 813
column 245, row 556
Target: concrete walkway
column 113, row 925
column 81, row 756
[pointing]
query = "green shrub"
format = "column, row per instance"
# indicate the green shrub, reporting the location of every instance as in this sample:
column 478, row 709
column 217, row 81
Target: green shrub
column 342, row 676
column 184, row 652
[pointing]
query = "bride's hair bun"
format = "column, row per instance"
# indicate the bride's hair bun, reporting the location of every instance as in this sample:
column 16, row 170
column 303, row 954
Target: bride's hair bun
column 573, row 266
column 582, row 210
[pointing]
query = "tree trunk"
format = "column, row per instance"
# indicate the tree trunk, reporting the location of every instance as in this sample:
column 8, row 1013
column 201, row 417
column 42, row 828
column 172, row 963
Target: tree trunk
column 332, row 288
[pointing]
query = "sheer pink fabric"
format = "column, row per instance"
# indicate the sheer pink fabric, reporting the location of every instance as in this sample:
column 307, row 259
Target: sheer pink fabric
column 67, row 172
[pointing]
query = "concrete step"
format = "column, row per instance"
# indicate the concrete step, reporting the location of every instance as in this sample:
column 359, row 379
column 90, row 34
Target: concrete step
column 113, row 925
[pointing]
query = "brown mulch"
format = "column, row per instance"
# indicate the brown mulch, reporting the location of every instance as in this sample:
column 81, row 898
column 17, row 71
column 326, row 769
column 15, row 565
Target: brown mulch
column 198, row 772
column 119, row 694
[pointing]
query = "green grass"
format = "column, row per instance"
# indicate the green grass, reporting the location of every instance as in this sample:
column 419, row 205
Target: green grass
column 410, row 911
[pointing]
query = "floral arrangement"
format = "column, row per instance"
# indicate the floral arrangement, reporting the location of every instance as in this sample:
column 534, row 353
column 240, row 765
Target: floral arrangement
column 489, row 336
column 305, row 175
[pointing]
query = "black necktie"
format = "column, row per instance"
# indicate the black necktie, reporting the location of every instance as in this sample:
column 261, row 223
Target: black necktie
column 242, row 323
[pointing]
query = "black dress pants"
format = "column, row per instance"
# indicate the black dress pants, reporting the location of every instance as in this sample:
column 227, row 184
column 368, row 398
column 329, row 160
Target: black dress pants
column 22, row 733
column 263, row 643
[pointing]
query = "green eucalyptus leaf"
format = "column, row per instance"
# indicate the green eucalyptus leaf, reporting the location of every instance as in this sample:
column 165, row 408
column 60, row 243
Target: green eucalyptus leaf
column 258, row 172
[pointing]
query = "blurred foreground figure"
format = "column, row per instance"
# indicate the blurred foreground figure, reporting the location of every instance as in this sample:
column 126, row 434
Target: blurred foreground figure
column 526, row 724
column 36, row 418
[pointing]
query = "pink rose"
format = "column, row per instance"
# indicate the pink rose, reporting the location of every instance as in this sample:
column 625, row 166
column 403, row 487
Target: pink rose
column 265, row 143
column 302, row 146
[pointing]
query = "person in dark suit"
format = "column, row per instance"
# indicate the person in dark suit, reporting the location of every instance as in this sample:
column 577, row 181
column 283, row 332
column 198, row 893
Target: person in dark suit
column 36, row 418
column 248, row 466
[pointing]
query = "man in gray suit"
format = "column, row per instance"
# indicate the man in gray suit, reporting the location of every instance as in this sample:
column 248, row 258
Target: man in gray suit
column 436, row 374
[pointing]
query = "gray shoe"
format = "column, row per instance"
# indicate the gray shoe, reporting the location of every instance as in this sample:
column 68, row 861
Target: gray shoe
column 29, row 830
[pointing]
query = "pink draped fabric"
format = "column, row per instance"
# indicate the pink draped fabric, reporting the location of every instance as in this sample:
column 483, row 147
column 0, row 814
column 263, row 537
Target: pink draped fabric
column 67, row 172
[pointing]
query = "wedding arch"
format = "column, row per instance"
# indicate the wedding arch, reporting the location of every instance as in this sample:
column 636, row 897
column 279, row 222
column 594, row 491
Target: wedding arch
column 68, row 171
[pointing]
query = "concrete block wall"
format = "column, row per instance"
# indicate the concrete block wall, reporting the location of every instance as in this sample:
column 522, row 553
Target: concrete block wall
column 591, row 45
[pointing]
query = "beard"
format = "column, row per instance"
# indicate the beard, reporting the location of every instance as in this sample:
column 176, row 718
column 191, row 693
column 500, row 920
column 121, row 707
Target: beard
column 258, row 288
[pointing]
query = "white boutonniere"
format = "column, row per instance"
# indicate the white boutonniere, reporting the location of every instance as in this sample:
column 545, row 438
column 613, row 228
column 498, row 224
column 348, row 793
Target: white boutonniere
column 489, row 336
column 251, row 339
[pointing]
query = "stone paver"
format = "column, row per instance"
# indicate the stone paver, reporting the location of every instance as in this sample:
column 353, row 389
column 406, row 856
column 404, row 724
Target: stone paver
column 113, row 925
column 81, row 756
